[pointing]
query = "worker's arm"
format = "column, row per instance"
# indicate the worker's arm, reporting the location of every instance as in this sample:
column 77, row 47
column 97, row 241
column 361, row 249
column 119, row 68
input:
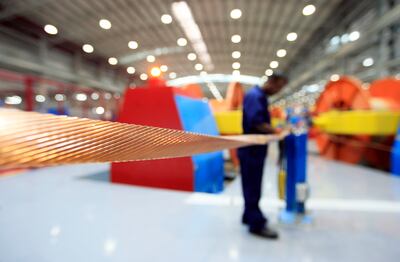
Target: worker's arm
column 266, row 128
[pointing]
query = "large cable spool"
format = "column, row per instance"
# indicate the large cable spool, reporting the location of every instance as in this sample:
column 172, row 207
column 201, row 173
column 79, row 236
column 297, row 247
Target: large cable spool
column 384, row 96
column 342, row 95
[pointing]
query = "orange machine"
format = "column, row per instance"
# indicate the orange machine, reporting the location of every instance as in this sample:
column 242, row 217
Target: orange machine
column 384, row 95
column 191, row 90
column 345, row 94
column 233, row 101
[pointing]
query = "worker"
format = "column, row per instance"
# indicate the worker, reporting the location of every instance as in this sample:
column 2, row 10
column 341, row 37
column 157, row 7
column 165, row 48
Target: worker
column 256, row 120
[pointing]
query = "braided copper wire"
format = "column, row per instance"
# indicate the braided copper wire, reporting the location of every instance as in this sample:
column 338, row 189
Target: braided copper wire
column 29, row 139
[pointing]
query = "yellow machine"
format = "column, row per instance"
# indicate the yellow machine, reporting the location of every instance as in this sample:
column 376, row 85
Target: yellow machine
column 358, row 122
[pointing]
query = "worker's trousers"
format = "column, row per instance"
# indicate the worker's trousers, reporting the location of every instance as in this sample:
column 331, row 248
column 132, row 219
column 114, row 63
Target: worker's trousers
column 251, row 165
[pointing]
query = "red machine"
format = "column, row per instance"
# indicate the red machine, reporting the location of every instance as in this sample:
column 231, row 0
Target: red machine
column 174, row 173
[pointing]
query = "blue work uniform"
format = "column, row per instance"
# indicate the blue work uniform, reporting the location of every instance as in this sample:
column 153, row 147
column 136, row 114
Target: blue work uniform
column 252, row 158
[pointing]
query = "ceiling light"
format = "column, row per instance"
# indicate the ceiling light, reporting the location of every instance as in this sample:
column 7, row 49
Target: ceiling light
column 95, row 96
column 107, row 96
column 236, row 65
column 155, row 72
column 99, row 110
column 143, row 76
column 166, row 19
column 335, row 40
column 309, row 10
column 236, row 13
column 236, row 72
column 184, row 16
column 334, row 77
column 87, row 48
column 131, row 70
column 112, row 61
column 133, row 44
column 50, row 29
column 269, row 72
column 181, row 41
column 198, row 67
column 105, row 24
column 236, row 39
column 368, row 62
column 13, row 100
column 315, row 87
column 274, row 64
column 150, row 58
column 191, row 56
column 59, row 97
column 81, row 97
column 172, row 75
column 291, row 37
column 40, row 98
column 264, row 78
column 344, row 38
column 281, row 53
column 164, row 68
column 354, row 36
column 236, row 54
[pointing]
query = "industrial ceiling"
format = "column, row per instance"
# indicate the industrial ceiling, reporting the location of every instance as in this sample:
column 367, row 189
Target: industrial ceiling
column 263, row 27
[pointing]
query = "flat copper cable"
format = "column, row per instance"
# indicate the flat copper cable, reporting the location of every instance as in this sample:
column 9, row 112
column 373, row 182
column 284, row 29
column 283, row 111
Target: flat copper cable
column 30, row 139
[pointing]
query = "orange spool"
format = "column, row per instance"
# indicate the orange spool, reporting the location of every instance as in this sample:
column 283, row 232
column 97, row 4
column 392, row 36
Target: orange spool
column 234, row 96
column 385, row 95
column 343, row 94
column 277, row 112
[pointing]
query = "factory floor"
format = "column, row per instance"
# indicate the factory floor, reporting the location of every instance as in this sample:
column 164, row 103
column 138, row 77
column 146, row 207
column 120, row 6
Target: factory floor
column 71, row 213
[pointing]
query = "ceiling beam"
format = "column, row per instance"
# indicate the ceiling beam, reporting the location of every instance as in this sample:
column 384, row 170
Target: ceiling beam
column 21, row 8
column 390, row 17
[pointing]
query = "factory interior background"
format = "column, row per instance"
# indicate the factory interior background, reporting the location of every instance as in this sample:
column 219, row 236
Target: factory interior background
column 187, row 65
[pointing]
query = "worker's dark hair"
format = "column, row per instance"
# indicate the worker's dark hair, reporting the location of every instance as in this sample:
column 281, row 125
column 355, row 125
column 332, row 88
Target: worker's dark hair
column 278, row 75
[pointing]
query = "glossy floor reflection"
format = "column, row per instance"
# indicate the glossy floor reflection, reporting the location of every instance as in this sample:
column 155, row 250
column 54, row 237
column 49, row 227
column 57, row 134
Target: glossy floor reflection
column 70, row 214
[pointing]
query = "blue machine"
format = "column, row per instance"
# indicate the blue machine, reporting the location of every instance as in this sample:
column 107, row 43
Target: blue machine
column 196, row 116
column 396, row 155
column 296, row 185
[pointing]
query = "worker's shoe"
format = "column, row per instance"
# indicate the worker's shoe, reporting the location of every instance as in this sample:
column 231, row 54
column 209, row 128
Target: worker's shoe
column 265, row 233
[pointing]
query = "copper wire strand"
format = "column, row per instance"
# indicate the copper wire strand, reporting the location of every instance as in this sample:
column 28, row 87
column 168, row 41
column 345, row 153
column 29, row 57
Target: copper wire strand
column 30, row 139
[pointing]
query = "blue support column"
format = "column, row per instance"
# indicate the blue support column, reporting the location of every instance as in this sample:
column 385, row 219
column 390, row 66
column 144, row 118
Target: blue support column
column 296, row 168
column 396, row 155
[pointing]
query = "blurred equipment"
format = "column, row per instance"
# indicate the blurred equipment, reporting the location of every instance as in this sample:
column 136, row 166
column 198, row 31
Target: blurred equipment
column 228, row 116
column 296, row 189
column 396, row 155
column 37, row 93
column 173, row 108
column 357, row 125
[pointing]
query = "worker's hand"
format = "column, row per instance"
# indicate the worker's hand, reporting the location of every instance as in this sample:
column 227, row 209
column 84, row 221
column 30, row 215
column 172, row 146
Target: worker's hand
column 282, row 132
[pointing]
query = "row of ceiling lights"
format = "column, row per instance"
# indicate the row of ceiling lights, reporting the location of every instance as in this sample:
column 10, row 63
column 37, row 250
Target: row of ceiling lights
column 236, row 38
column 291, row 37
column 16, row 100
column 367, row 62
column 167, row 19
column 106, row 25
